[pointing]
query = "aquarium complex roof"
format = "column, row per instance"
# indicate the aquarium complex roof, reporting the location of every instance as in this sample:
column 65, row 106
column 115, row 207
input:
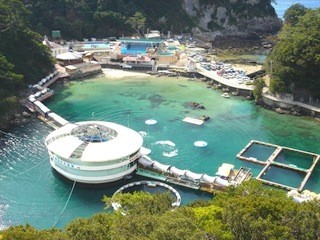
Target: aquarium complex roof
column 93, row 141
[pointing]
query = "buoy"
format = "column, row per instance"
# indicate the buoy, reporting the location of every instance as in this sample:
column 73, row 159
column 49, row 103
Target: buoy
column 200, row 144
column 150, row 122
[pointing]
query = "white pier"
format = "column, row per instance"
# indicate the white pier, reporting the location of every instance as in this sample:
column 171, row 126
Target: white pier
column 193, row 120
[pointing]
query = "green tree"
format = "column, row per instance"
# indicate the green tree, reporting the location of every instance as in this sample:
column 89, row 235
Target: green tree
column 141, row 202
column 28, row 232
column 21, row 46
column 257, row 91
column 178, row 224
column 23, row 57
column 133, row 226
column 96, row 227
column 209, row 219
column 296, row 58
column 255, row 212
column 137, row 22
column 293, row 13
column 303, row 220
column 10, row 82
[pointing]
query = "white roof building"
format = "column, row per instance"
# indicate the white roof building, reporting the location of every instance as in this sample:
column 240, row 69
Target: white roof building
column 95, row 151
column 69, row 56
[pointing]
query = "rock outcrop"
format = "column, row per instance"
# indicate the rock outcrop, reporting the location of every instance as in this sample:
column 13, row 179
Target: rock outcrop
column 232, row 17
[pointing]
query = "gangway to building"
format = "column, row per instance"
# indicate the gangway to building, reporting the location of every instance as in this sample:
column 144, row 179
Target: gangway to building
column 226, row 176
column 34, row 101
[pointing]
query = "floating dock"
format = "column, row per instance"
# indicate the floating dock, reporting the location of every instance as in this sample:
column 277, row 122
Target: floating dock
column 272, row 161
column 228, row 176
column 193, row 120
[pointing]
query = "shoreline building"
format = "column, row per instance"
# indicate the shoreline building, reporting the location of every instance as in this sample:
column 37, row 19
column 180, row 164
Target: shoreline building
column 94, row 152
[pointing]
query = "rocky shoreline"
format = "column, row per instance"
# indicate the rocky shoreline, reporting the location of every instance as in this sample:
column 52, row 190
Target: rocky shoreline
column 16, row 118
column 295, row 111
column 18, row 115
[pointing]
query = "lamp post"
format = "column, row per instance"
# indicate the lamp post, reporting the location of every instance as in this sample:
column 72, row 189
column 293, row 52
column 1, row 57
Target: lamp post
column 271, row 68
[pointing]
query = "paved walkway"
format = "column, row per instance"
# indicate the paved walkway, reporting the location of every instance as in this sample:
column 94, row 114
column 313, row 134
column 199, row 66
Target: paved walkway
column 307, row 106
column 233, row 83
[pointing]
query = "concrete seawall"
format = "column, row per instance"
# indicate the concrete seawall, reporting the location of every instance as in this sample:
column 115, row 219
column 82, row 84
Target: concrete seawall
column 289, row 105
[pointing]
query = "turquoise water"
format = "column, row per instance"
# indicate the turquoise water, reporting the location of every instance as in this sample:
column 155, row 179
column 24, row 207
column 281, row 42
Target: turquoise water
column 260, row 152
column 292, row 179
column 134, row 49
column 31, row 192
column 298, row 159
column 282, row 5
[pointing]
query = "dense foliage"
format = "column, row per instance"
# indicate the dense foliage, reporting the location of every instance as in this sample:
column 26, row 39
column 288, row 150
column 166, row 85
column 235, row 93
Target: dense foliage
column 293, row 14
column 257, row 91
column 23, row 57
column 105, row 18
column 249, row 211
column 97, row 18
column 295, row 58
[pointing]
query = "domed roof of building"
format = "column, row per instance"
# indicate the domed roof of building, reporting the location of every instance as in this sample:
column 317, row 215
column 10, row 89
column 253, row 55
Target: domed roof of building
column 94, row 141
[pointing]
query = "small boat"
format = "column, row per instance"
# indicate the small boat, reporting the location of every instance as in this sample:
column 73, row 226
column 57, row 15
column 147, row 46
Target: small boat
column 225, row 95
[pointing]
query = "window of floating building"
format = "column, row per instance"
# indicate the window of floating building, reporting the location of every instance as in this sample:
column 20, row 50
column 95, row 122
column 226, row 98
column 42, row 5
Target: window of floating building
column 56, row 34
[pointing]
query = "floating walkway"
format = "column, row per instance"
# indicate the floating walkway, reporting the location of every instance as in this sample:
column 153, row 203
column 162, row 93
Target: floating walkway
column 193, row 120
column 34, row 104
column 271, row 161
column 226, row 176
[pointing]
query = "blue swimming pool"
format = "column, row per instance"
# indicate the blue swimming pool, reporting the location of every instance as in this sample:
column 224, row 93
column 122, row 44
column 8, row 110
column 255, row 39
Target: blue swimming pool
column 134, row 49
column 96, row 45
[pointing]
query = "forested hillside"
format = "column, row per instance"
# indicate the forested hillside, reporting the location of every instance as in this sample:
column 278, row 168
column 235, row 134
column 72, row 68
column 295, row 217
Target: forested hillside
column 100, row 19
column 294, row 62
column 95, row 18
column 23, row 57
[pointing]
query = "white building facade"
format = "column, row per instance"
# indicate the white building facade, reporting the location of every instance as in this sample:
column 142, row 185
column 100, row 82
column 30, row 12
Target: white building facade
column 94, row 152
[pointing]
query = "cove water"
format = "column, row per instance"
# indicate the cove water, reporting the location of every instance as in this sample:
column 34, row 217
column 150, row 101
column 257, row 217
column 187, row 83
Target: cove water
column 31, row 192
column 282, row 5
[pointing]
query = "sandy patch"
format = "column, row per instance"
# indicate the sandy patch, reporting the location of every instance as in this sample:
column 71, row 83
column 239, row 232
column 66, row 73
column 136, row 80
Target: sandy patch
column 118, row 73
column 248, row 68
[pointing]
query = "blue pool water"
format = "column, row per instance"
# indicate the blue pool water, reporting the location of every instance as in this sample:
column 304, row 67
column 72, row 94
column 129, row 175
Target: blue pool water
column 134, row 49
column 297, row 159
column 258, row 151
column 292, row 179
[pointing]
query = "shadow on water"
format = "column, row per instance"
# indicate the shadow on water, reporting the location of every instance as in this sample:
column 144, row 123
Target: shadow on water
column 156, row 100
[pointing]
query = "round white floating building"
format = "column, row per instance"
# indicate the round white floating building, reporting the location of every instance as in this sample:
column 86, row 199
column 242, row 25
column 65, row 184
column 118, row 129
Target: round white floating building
column 94, row 151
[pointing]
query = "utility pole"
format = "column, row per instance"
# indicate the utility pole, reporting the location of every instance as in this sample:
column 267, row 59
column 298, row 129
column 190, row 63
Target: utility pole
column 271, row 68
